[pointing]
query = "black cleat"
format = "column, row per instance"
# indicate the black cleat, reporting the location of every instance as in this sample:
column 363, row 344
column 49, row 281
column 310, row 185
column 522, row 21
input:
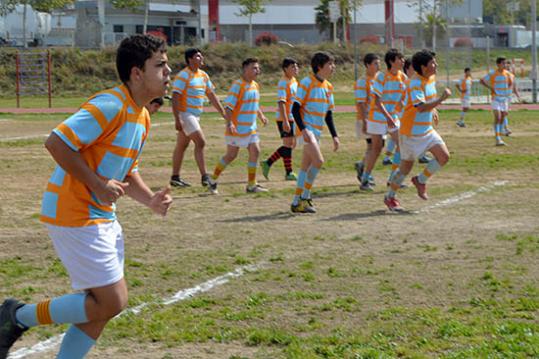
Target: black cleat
column 10, row 330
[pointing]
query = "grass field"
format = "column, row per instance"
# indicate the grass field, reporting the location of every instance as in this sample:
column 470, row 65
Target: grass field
column 454, row 277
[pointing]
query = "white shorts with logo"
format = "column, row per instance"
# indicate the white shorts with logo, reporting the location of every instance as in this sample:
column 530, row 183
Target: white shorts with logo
column 242, row 142
column 93, row 255
column 502, row 105
column 190, row 123
column 360, row 135
column 412, row 147
column 465, row 102
column 377, row 128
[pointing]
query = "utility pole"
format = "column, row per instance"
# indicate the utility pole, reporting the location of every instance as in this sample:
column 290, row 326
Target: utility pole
column 356, row 53
column 448, row 44
column 534, row 51
column 199, row 23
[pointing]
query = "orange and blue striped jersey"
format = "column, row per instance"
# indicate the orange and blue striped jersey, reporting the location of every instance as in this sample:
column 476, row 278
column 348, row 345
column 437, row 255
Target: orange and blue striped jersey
column 286, row 90
column 421, row 90
column 243, row 99
column 390, row 89
column 465, row 86
column 362, row 90
column 192, row 87
column 108, row 131
column 502, row 84
column 315, row 98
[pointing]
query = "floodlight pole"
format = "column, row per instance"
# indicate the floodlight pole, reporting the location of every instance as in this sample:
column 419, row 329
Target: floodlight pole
column 534, row 51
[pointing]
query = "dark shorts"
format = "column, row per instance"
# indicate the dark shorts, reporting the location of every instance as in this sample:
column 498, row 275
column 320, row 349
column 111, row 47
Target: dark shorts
column 285, row 134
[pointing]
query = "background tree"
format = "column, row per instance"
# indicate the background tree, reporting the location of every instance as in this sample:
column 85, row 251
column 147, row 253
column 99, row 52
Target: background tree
column 432, row 21
column 248, row 9
column 133, row 5
column 498, row 12
column 323, row 22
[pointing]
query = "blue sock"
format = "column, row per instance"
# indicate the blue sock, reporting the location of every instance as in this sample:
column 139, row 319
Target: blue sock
column 398, row 178
column 311, row 175
column 76, row 344
column 431, row 169
column 65, row 309
column 365, row 177
column 498, row 130
column 299, row 187
column 395, row 165
column 505, row 122
column 390, row 145
column 462, row 115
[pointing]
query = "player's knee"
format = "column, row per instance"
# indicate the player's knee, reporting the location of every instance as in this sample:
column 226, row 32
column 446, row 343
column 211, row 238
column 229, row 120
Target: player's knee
column 113, row 305
column 229, row 157
column 200, row 143
column 443, row 159
column 318, row 162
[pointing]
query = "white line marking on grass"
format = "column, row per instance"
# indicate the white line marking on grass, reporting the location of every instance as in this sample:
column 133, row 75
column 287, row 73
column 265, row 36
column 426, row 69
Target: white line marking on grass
column 7, row 139
column 183, row 294
column 465, row 195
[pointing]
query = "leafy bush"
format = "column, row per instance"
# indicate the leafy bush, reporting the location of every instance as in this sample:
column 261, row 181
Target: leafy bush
column 266, row 38
column 463, row 42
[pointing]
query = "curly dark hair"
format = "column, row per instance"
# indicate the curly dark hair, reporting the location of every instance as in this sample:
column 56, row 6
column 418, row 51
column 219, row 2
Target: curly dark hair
column 134, row 51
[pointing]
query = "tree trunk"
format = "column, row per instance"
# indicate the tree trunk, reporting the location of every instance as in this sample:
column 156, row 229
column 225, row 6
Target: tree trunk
column 250, row 30
column 146, row 10
column 434, row 27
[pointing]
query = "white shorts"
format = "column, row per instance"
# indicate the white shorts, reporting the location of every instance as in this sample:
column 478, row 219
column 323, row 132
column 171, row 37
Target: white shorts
column 465, row 102
column 412, row 147
column 190, row 123
column 502, row 106
column 242, row 142
column 377, row 128
column 360, row 135
column 301, row 142
column 92, row 255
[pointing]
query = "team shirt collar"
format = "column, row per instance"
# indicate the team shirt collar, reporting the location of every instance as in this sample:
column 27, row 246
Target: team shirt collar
column 129, row 99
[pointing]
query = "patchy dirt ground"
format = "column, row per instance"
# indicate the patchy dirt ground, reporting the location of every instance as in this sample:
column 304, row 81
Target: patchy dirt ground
column 340, row 269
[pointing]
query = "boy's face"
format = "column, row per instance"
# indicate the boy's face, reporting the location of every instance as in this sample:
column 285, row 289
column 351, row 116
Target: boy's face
column 430, row 69
column 374, row 66
column 468, row 73
column 410, row 71
column 251, row 71
column 153, row 107
column 398, row 64
column 327, row 70
column 501, row 65
column 197, row 60
column 156, row 75
column 291, row 70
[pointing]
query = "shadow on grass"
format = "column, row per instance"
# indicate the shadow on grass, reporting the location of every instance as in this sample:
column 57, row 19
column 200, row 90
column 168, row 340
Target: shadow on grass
column 377, row 213
column 267, row 217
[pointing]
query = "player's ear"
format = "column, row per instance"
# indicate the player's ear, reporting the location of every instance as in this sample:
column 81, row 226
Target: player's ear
column 136, row 74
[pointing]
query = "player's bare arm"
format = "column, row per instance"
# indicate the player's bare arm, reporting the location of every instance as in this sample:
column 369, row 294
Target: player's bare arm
column 107, row 190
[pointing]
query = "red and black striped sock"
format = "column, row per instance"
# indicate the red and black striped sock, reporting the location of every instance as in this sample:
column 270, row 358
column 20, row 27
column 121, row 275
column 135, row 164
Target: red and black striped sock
column 286, row 154
column 275, row 156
